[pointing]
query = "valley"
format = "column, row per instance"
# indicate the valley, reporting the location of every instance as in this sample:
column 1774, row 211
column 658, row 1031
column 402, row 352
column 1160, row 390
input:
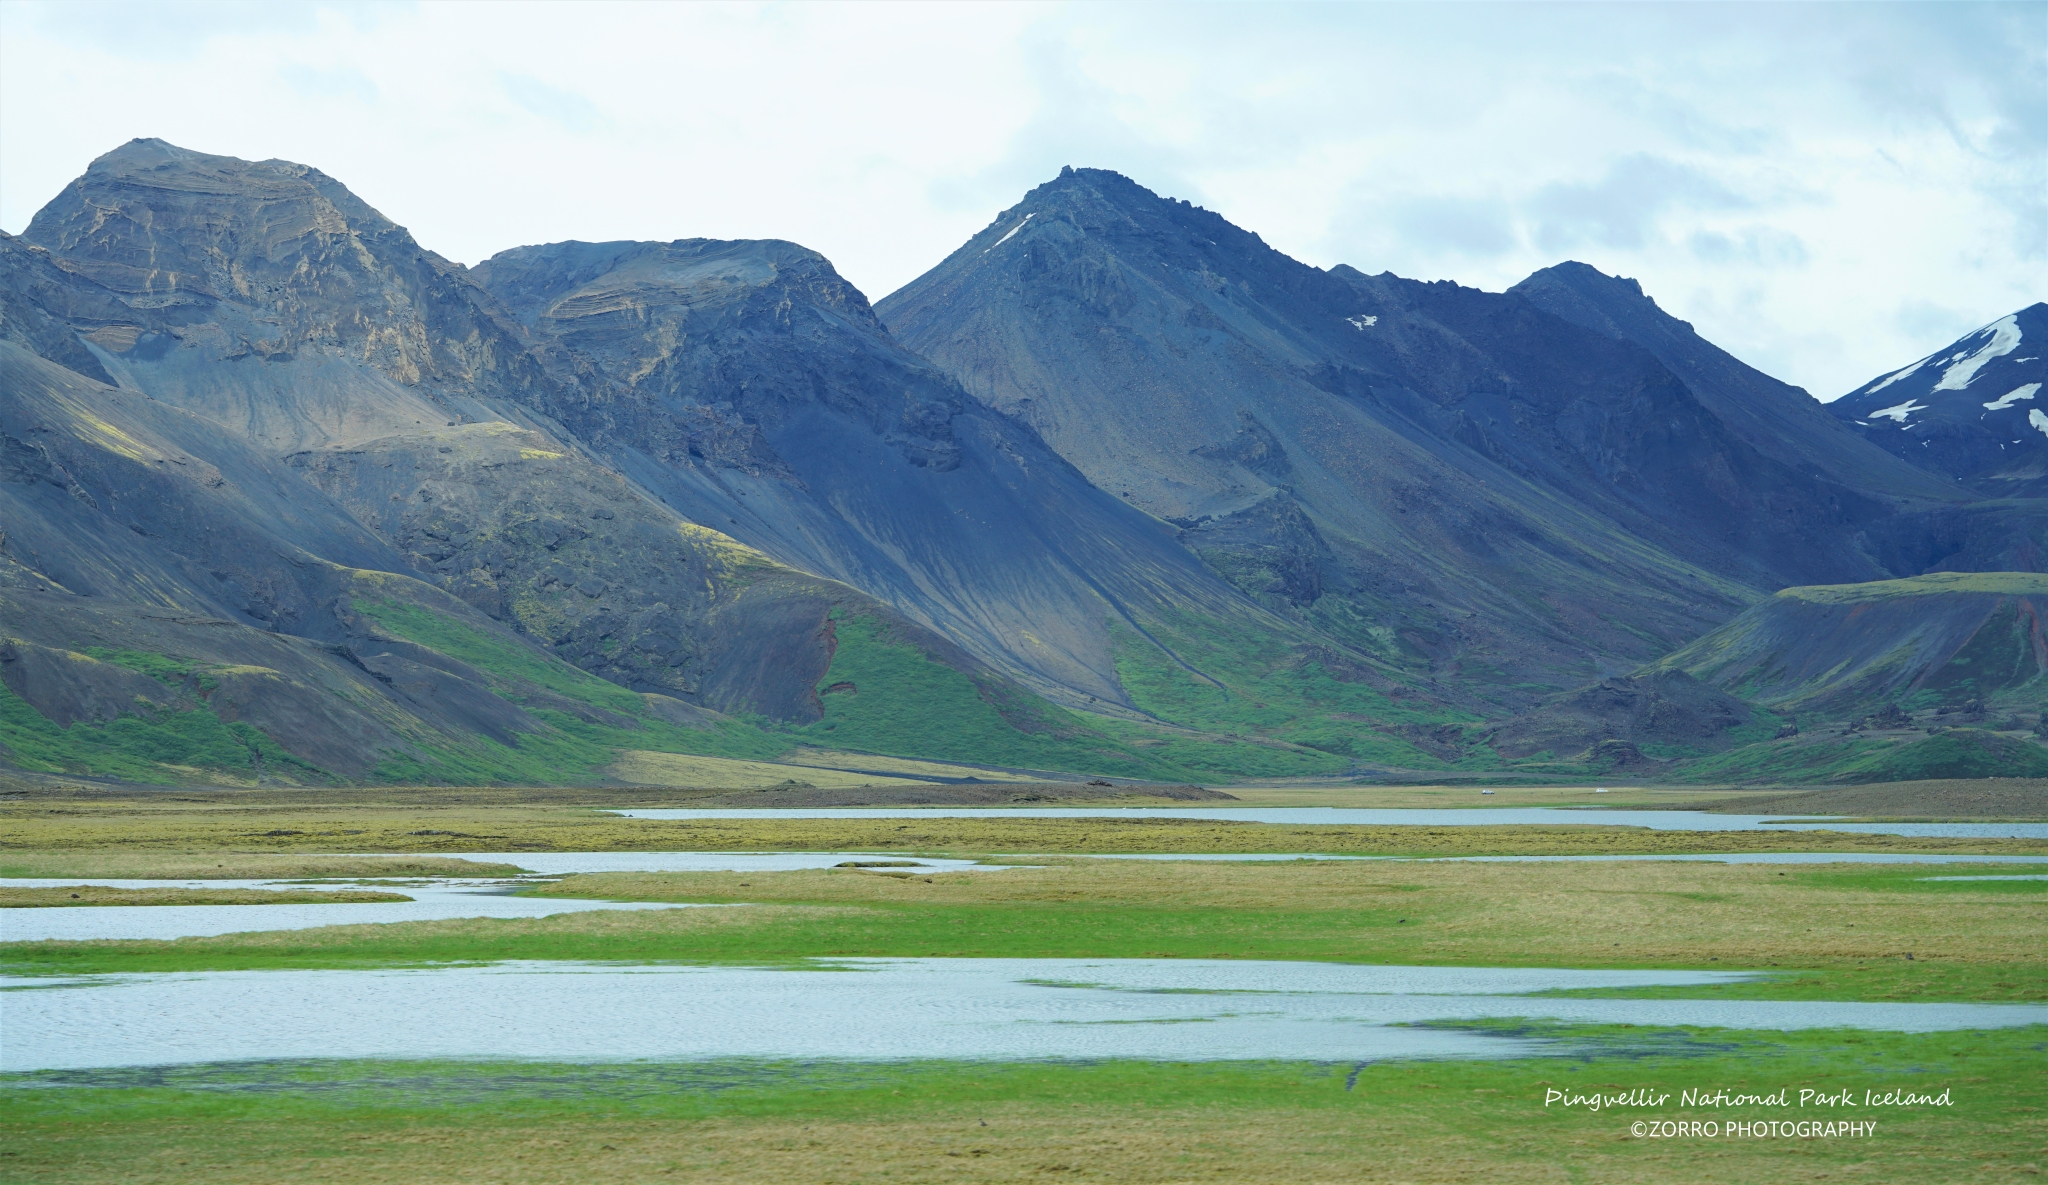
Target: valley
column 1126, row 705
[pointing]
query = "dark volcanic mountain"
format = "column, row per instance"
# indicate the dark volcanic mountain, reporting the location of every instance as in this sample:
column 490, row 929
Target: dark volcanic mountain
column 1505, row 487
column 292, row 320
column 576, row 472
column 285, row 495
column 751, row 388
column 1971, row 413
column 1777, row 419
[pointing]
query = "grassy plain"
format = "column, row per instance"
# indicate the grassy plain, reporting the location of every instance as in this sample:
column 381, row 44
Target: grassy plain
column 1130, row 1122
column 1831, row 932
column 383, row 821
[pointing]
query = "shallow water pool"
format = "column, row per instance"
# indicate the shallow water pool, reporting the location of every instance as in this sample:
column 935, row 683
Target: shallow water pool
column 871, row 1009
column 437, row 901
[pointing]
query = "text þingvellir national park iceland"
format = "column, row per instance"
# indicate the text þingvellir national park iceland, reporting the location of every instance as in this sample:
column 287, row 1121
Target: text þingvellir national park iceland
column 870, row 593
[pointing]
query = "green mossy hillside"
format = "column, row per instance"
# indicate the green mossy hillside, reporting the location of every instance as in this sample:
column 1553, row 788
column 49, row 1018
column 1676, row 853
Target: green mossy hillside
column 884, row 694
column 1851, row 759
column 1238, row 680
column 165, row 745
column 569, row 747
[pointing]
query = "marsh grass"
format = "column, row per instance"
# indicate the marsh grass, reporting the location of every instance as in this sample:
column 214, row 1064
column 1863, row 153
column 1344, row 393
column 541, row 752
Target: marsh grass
column 438, row 826
column 1107, row 1121
column 1816, row 938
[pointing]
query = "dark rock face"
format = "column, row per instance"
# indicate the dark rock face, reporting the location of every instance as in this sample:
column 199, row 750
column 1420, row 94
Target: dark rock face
column 694, row 351
column 1974, row 413
column 584, row 563
column 1667, row 708
column 265, row 296
column 1503, row 478
column 1928, row 523
column 1781, row 421
column 43, row 308
column 132, row 525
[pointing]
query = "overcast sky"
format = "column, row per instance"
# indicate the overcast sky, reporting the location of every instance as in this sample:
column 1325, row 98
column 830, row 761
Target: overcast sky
column 1829, row 191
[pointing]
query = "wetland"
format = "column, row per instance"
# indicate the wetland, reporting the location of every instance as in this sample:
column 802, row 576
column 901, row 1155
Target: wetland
column 873, row 991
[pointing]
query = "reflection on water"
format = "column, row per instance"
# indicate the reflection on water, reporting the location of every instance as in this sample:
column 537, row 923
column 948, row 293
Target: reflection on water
column 872, row 1009
column 1490, row 817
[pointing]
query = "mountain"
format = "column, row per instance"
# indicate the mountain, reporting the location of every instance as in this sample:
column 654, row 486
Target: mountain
column 352, row 412
column 268, row 302
column 1509, row 487
column 750, row 387
column 1116, row 489
column 178, row 605
column 1777, row 419
column 1971, row 413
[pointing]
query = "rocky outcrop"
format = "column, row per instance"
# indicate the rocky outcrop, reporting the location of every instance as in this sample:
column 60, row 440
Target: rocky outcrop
column 1662, row 708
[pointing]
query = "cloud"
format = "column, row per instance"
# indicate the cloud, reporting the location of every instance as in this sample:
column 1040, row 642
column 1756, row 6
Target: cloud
column 1787, row 177
column 1757, row 246
column 344, row 83
column 1451, row 224
column 172, row 29
column 1624, row 206
column 1075, row 119
column 567, row 108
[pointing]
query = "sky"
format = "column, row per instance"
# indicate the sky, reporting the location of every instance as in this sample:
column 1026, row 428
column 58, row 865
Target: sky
column 1829, row 191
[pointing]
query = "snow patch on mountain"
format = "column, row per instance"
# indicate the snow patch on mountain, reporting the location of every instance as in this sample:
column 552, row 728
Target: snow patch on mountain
column 1013, row 231
column 2038, row 420
column 1894, row 377
column 1899, row 411
column 2005, row 338
column 2013, row 396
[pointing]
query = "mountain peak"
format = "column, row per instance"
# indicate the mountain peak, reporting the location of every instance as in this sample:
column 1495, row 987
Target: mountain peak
column 1115, row 213
column 137, row 219
column 1782, row 421
column 1970, row 411
column 1617, row 299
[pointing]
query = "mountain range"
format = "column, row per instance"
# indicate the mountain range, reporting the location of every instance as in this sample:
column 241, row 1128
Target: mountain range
column 1115, row 488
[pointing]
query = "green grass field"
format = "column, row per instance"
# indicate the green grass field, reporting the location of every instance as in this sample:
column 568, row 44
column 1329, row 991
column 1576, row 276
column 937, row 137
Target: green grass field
column 1107, row 1121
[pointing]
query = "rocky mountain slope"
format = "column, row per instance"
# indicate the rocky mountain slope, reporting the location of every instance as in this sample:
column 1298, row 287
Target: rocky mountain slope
column 1971, row 413
column 286, row 496
column 750, row 387
column 403, row 421
column 1515, row 494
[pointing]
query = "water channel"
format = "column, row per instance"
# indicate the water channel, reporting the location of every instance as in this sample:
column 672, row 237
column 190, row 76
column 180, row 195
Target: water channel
column 1360, row 817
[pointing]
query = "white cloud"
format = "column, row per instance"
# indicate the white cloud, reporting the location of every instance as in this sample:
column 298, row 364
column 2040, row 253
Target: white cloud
column 1828, row 191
